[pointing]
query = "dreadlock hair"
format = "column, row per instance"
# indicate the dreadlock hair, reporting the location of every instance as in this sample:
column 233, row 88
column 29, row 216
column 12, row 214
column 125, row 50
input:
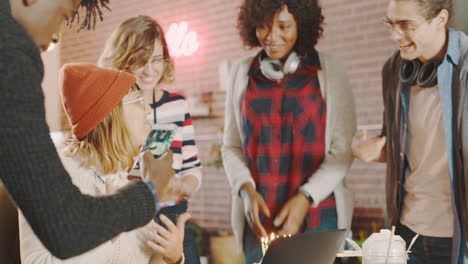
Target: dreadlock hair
column 93, row 10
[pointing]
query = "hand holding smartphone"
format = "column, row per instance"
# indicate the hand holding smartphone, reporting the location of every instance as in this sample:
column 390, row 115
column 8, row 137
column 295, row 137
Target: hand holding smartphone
column 158, row 142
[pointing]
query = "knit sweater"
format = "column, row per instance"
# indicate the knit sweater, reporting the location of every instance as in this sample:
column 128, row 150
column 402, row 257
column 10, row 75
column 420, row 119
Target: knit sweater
column 127, row 248
column 66, row 221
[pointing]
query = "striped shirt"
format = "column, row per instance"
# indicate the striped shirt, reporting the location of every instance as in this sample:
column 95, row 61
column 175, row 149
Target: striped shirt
column 173, row 109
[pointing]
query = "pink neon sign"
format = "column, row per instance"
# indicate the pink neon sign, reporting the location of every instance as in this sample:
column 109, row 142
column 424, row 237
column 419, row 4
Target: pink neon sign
column 181, row 41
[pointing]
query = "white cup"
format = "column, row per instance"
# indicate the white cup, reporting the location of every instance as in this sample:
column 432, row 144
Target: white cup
column 375, row 249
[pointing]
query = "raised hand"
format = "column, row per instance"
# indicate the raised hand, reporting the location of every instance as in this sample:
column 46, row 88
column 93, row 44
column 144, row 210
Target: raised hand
column 169, row 242
column 159, row 171
column 367, row 149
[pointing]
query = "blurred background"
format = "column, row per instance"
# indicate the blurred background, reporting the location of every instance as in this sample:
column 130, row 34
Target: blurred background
column 209, row 43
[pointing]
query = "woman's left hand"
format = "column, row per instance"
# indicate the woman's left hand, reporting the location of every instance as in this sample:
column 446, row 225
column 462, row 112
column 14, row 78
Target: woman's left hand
column 168, row 242
column 292, row 215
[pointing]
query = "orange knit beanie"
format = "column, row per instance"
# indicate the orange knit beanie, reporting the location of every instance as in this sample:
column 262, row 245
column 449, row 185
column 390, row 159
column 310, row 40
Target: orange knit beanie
column 89, row 93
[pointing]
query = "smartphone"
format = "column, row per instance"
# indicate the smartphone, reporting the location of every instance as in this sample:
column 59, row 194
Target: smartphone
column 158, row 142
column 159, row 139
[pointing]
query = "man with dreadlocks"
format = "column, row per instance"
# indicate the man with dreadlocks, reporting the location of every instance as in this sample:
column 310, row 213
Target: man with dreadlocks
column 67, row 222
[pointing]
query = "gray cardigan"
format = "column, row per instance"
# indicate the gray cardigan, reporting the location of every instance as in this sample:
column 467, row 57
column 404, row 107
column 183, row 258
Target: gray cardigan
column 66, row 221
column 340, row 128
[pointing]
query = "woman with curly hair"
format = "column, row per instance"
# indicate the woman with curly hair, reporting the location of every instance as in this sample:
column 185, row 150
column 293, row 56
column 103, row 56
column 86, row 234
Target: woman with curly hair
column 289, row 124
column 138, row 46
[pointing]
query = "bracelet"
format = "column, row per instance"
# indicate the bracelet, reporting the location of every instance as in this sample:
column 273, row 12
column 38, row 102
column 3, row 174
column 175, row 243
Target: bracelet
column 307, row 195
column 152, row 188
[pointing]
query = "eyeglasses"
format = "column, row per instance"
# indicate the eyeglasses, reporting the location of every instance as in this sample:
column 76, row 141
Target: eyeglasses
column 156, row 60
column 402, row 28
column 135, row 100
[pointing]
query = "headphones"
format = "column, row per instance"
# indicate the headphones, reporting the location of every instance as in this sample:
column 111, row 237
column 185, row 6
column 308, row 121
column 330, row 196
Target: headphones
column 414, row 72
column 274, row 70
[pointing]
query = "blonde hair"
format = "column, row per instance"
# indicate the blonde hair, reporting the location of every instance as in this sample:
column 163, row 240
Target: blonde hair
column 107, row 148
column 131, row 45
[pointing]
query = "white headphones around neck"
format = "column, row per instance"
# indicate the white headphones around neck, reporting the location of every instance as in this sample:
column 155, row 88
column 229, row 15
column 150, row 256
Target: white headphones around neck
column 275, row 71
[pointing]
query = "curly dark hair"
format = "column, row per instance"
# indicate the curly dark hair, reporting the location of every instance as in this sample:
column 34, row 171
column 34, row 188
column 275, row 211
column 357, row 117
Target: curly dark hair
column 307, row 13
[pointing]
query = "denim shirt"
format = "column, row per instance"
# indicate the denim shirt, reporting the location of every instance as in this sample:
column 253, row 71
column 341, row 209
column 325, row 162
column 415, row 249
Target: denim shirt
column 445, row 80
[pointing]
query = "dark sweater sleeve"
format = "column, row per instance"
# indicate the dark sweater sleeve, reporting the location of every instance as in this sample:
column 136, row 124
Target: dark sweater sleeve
column 390, row 80
column 66, row 221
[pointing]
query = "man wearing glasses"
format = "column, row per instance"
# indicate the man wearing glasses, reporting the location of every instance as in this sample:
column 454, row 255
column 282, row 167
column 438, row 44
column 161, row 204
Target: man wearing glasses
column 424, row 138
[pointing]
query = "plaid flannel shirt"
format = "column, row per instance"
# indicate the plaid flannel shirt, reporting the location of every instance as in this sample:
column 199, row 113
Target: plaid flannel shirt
column 284, row 144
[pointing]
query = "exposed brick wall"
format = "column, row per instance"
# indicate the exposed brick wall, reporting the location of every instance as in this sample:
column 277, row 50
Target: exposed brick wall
column 353, row 31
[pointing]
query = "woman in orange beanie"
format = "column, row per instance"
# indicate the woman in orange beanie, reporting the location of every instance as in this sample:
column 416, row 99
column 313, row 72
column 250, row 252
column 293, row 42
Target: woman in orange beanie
column 107, row 116
column 138, row 46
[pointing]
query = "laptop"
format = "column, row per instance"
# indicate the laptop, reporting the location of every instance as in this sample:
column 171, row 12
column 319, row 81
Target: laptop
column 307, row 248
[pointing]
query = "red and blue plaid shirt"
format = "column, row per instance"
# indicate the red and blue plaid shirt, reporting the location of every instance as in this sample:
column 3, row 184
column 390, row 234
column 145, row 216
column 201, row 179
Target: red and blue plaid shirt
column 284, row 127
